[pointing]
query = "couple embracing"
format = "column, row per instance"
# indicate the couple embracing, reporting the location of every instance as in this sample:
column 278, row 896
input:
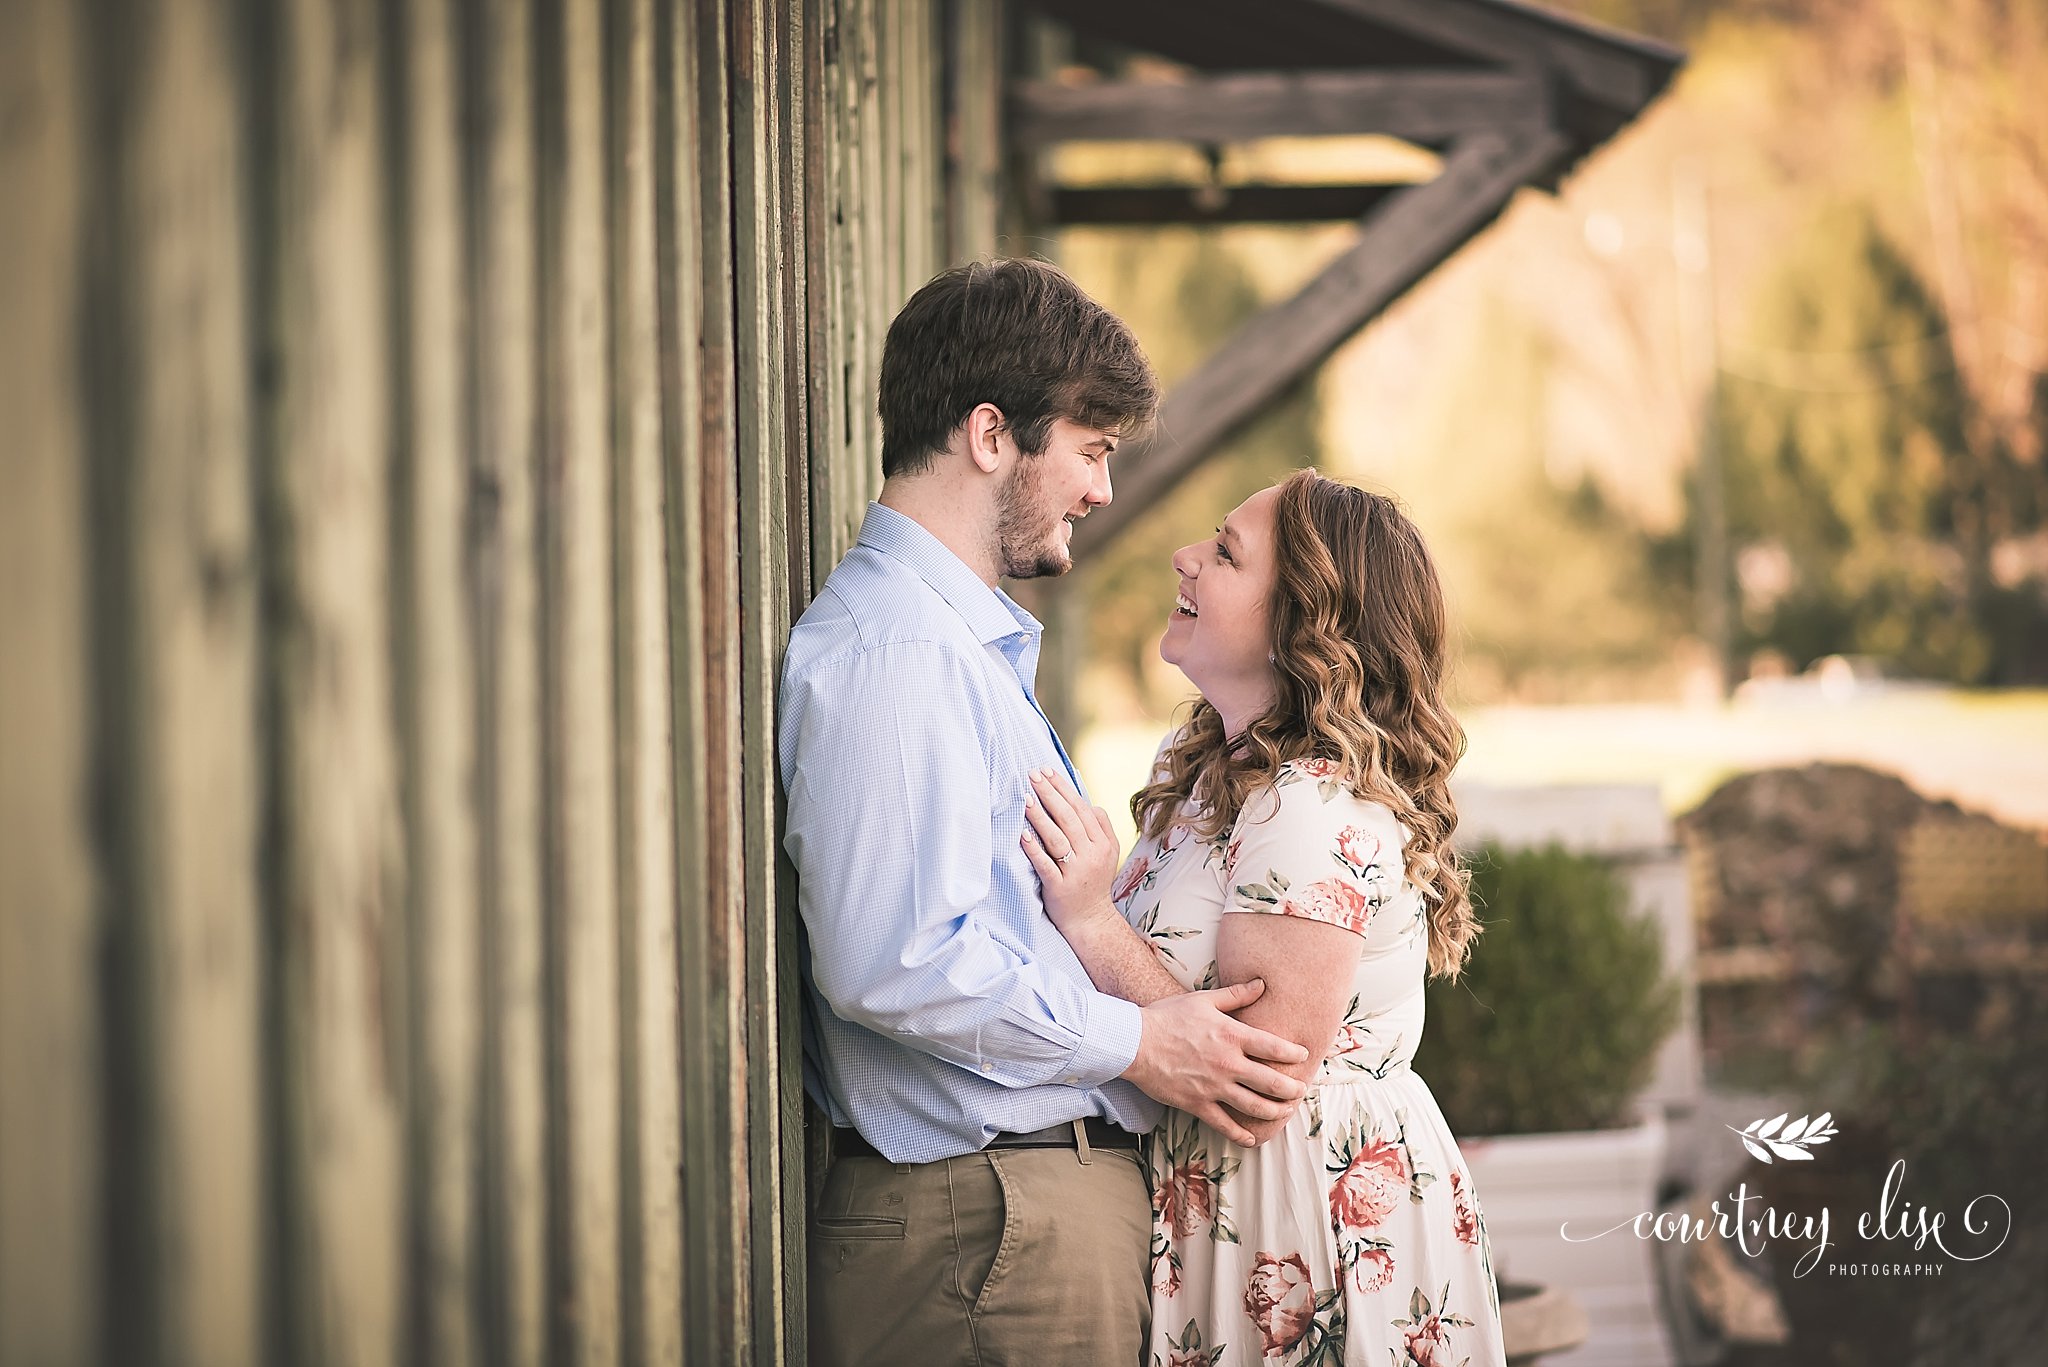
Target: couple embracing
column 1156, row 1111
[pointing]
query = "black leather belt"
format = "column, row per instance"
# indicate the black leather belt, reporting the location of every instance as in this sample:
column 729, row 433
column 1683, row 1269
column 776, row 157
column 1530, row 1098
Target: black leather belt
column 1101, row 1133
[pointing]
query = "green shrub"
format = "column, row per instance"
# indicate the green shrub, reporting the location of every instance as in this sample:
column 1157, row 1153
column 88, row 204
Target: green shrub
column 1556, row 1022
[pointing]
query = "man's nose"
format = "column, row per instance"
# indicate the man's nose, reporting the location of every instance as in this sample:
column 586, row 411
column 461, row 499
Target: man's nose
column 1099, row 491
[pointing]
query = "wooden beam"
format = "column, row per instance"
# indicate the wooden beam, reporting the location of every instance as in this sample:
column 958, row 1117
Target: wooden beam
column 1422, row 105
column 1398, row 244
column 1613, row 68
column 1136, row 205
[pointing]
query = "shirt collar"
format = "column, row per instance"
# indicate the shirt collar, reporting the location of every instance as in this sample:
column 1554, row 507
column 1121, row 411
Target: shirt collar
column 991, row 614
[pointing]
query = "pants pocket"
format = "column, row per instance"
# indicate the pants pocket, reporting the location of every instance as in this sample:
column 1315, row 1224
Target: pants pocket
column 996, row 1229
column 980, row 1225
column 862, row 1200
column 858, row 1227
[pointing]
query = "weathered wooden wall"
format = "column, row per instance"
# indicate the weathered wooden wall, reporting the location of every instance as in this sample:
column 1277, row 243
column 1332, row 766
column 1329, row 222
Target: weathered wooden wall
column 424, row 418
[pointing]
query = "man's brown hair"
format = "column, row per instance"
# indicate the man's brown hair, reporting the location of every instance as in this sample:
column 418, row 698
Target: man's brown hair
column 1015, row 333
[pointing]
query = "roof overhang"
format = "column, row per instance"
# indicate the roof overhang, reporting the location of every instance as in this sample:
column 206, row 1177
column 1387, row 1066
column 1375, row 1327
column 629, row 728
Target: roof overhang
column 1507, row 94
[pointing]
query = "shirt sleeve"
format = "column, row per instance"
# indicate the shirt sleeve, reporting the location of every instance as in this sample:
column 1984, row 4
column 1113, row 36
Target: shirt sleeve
column 1308, row 847
column 890, row 830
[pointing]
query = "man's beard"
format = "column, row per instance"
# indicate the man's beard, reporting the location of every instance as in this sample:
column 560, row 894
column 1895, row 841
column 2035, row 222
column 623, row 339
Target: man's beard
column 1027, row 548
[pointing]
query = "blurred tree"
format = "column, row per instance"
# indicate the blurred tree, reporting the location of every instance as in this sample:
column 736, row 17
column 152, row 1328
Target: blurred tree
column 1544, row 574
column 1867, row 514
column 1972, row 72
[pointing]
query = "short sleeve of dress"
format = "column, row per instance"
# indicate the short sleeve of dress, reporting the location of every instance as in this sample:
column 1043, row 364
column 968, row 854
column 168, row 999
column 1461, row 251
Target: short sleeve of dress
column 1309, row 847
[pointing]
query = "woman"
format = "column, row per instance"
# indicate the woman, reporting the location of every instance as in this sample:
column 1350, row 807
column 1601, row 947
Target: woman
column 1297, row 830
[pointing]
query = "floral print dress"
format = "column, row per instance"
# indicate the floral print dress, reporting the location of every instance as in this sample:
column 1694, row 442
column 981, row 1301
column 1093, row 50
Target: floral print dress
column 1353, row 1236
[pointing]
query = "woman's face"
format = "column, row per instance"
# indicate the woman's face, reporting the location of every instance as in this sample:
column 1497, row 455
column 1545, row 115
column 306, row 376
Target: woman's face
column 1220, row 633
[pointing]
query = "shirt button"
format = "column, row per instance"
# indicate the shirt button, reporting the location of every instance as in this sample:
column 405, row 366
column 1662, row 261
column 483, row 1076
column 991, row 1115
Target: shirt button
column 1073, row 1082
column 988, row 1067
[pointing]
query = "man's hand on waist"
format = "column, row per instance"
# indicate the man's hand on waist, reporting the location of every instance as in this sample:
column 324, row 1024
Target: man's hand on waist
column 1194, row 1057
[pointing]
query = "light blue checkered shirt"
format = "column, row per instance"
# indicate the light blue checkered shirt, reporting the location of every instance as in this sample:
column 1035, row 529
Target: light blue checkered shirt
column 947, row 1007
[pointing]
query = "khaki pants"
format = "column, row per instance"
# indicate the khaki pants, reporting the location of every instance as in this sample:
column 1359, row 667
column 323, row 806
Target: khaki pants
column 1007, row 1258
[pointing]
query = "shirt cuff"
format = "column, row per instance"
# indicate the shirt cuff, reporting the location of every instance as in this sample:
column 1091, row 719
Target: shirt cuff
column 1109, row 1046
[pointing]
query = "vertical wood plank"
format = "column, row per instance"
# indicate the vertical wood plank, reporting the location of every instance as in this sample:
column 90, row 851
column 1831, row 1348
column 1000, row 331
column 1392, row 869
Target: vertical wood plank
column 820, row 102
column 758, row 320
column 500, row 220
column 787, row 27
column 336, row 871
column 917, row 146
column 435, row 676
column 790, row 25
column 197, row 596
column 174, row 648
column 49, row 1040
column 581, row 850
column 718, row 1192
column 891, row 17
column 651, row 1117
column 679, row 273
column 974, row 82
column 817, row 77
column 849, row 423
column 844, row 313
column 874, row 209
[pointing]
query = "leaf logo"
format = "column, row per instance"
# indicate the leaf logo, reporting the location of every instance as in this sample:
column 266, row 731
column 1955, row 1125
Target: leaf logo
column 1764, row 1138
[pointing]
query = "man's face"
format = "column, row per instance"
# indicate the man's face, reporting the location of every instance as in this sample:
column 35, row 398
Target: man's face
column 1044, row 494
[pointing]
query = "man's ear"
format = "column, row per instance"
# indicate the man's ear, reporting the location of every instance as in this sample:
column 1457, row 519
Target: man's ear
column 987, row 434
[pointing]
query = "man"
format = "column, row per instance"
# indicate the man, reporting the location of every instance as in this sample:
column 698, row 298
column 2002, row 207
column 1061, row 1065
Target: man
column 986, row 1202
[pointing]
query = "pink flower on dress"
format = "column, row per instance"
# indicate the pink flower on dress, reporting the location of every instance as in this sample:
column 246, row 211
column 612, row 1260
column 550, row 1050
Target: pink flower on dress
column 1335, row 900
column 1192, row 1357
column 1165, row 1275
column 1186, row 1200
column 1464, row 1214
column 1374, row 1269
column 1280, row 1301
column 1358, row 847
column 1230, row 858
column 1367, row 1191
column 1317, row 768
column 1350, row 1039
column 1428, row 1343
column 1134, row 874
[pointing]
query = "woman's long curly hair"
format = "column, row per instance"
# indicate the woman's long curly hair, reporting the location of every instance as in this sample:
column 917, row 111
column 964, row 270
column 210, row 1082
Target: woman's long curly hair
column 1358, row 647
